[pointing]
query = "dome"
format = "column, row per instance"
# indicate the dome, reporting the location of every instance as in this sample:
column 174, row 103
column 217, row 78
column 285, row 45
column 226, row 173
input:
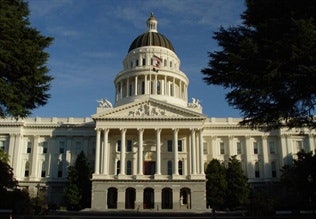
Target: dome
column 151, row 39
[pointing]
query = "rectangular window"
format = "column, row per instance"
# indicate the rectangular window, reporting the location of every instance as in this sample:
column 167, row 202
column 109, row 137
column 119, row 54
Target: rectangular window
column 204, row 148
column 29, row 148
column 43, row 173
column 169, row 167
column 257, row 173
column 2, row 145
column 273, row 168
column 60, row 174
column 143, row 87
column 130, row 90
column 272, row 147
column 238, row 144
column 255, row 148
column 299, row 145
column 144, row 61
column 118, row 145
column 179, row 145
column 61, row 147
column 129, row 146
column 45, row 146
column 222, row 148
column 26, row 173
column 169, row 145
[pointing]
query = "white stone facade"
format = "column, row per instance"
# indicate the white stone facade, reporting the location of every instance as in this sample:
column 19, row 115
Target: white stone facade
column 149, row 150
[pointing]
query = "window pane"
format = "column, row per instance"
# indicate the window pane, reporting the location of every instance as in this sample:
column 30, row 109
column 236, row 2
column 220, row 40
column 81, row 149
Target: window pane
column 169, row 145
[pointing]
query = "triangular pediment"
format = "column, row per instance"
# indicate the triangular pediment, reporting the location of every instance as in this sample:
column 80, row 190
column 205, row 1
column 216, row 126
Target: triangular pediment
column 148, row 109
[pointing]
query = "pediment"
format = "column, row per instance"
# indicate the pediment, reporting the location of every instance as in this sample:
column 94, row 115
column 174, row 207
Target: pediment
column 148, row 109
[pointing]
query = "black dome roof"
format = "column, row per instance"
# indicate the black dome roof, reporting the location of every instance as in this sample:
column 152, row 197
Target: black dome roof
column 151, row 39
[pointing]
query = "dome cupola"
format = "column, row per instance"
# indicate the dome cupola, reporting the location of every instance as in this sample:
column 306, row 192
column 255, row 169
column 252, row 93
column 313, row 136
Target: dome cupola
column 151, row 37
column 151, row 70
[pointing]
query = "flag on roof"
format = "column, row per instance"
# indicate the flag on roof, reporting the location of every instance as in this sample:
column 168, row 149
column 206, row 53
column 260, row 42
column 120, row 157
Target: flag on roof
column 156, row 62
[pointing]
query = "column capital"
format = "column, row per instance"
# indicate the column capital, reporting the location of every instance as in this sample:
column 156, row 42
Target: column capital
column 123, row 130
column 175, row 129
column 140, row 130
column 158, row 129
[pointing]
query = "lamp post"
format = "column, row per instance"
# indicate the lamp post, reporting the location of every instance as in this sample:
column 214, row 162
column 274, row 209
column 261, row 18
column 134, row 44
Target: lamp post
column 310, row 180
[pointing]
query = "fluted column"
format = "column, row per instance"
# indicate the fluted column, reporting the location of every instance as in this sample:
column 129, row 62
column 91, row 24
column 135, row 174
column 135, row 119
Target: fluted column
column 311, row 143
column 140, row 151
column 106, row 152
column 158, row 152
column 34, row 166
column 136, row 86
column 127, row 88
column 266, row 164
column 175, row 149
column 123, row 151
column 249, row 161
column 155, row 85
column 97, row 153
column 121, row 89
column 193, row 156
column 201, row 151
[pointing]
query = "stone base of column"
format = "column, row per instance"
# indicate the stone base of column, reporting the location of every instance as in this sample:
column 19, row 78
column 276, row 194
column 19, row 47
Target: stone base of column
column 197, row 176
column 124, row 176
column 159, row 176
column 177, row 176
column 102, row 176
column 143, row 177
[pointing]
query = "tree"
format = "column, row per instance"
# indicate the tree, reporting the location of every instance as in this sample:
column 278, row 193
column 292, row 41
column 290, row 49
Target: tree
column 78, row 192
column 7, row 180
column 299, row 180
column 11, row 197
column 23, row 75
column 268, row 64
column 216, row 184
column 237, row 185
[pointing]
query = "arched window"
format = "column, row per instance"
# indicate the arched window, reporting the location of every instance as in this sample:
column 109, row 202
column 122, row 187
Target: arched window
column 169, row 167
column 180, row 167
column 118, row 167
column 129, row 167
column 112, row 198
column 166, row 198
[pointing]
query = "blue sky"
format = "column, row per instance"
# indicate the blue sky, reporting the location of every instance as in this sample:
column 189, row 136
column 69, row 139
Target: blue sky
column 92, row 38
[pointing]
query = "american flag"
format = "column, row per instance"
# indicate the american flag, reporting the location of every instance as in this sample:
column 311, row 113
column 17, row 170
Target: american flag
column 156, row 62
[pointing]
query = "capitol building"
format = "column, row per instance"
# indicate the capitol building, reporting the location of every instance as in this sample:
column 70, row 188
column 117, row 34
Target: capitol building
column 148, row 149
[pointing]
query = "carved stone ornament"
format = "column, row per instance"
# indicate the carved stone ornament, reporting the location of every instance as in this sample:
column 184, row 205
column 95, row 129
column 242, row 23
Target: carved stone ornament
column 147, row 110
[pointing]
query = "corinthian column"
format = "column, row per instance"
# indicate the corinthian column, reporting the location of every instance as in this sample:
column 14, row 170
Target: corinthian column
column 140, row 152
column 123, row 150
column 97, row 153
column 158, row 152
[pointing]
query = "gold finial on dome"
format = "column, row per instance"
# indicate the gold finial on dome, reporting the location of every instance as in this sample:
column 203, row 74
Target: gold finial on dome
column 152, row 23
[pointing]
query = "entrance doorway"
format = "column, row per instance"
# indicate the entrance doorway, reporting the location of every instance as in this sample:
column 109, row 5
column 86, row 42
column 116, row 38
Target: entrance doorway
column 130, row 195
column 149, row 199
column 166, row 197
column 149, row 167
column 185, row 198
column 112, row 198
